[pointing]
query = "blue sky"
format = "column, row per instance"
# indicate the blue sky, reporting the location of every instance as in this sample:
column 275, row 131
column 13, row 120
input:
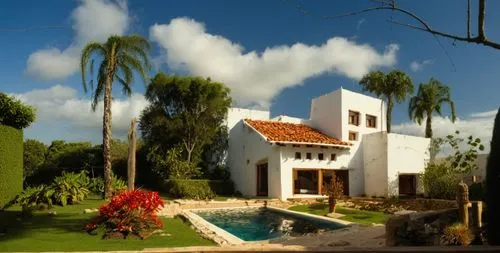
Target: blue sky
column 231, row 37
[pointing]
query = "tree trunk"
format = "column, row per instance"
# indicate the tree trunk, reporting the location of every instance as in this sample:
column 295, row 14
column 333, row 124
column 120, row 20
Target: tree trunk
column 131, row 156
column 389, row 113
column 332, row 203
column 428, row 126
column 106, row 128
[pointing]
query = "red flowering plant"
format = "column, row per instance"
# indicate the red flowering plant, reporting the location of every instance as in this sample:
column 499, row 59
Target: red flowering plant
column 130, row 213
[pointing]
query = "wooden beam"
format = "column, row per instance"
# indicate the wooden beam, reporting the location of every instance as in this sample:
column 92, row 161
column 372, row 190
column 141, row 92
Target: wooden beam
column 320, row 181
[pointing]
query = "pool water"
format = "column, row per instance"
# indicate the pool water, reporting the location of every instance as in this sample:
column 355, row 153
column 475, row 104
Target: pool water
column 255, row 224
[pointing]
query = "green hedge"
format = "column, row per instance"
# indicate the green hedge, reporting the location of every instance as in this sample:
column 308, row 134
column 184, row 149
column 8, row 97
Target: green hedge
column 198, row 189
column 11, row 163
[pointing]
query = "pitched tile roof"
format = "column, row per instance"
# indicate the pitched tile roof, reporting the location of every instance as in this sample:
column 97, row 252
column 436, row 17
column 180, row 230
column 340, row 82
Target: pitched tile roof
column 291, row 132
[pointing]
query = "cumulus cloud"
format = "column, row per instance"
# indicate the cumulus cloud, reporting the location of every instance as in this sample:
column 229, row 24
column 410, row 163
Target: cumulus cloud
column 93, row 20
column 60, row 105
column 476, row 124
column 256, row 77
column 416, row 66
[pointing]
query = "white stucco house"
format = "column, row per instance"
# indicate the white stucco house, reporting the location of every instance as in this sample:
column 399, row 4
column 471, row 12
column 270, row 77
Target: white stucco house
column 286, row 157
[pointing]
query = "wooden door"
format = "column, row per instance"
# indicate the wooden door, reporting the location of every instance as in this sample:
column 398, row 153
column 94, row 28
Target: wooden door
column 262, row 180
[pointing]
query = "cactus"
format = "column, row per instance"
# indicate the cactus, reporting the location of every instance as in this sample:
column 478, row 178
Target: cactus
column 131, row 156
column 492, row 189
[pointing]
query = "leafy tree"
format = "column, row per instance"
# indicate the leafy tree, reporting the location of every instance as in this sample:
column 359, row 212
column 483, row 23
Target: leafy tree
column 121, row 57
column 393, row 87
column 34, row 156
column 184, row 113
column 460, row 160
column 14, row 113
column 429, row 99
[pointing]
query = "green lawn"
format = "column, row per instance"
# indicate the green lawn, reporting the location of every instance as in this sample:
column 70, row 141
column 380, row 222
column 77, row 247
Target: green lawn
column 63, row 232
column 356, row 216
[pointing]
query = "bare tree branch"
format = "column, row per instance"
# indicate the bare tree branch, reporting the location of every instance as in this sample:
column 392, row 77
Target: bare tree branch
column 480, row 21
column 468, row 19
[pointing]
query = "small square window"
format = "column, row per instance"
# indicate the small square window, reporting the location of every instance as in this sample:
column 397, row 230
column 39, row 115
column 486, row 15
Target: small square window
column 298, row 155
column 353, row 136
column 320, row 156
column 354, row 118
column 308, row 156
column 333, row 157
column 371, row 121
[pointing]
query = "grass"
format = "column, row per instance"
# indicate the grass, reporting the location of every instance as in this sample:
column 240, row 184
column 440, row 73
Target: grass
column 63, row 232
column 352, row 215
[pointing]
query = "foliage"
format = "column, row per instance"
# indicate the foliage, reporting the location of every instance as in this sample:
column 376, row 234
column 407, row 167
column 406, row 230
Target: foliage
column 335, row 188
column 214, row 154
column 394, row 87
column 198, row 189
column 440, row 181
column 435, row 147
column 96, row 185
column 11, row 163
column 174, row 167
column 492, row 183
column 70, row 188
column 220, row 173
column 121, row 57
column 457, row 234
column 477, row 191
column 32, row 197
column 33, row 156
column 185, row 113
column 429, row 99
column 463, row 161
column 14, row 113
column 130, row 213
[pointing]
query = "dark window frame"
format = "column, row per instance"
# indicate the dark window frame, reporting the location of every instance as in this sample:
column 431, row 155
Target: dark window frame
column 298, row 155
column 321, row 156
column 369, row 118
column 356, row 118
column 308, row 156
column 356, row 136
column 333, row 157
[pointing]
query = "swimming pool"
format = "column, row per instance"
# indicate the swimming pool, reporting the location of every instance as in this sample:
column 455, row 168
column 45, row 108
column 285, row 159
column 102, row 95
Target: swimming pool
column 256, row 224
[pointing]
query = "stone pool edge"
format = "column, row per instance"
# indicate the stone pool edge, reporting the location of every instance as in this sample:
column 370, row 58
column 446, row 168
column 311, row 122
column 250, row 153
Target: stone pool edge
column 312, row 216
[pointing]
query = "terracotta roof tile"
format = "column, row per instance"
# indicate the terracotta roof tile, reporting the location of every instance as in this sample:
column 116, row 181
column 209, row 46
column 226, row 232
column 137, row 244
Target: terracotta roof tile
column 291, row 132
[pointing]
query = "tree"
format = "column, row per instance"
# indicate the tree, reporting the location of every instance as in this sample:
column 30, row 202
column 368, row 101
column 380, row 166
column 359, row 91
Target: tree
column 131, row 155
column 184, row 113
column 335, row 191
column 393, row 87
column 429, row 99
column 14, row 113
column 121, row 57
column 492, row 183
column 34, row 156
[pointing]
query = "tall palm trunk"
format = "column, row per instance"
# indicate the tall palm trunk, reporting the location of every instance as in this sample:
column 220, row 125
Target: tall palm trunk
column 428, row 125
column 106, row 125
column 389, row 114
column 131, row 156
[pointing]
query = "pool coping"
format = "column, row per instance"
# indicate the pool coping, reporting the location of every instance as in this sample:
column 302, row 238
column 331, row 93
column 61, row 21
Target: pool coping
column 202, row 225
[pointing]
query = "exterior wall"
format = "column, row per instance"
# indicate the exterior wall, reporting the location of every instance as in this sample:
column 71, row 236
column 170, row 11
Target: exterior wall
column 288, row 163
column 326, row 114
column 375, row 164
column 406, row 155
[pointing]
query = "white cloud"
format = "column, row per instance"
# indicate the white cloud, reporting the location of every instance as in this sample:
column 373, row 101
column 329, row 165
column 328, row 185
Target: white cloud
column 60, row 105
column 476, row 124
column 416, row 66
column 256, row 77
column 93, row 20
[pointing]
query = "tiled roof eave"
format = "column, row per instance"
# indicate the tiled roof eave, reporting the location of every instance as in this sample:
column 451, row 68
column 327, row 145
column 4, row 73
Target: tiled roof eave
column 312, row 143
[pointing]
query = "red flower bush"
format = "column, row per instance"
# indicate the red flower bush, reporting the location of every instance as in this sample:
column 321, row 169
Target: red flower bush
column 129, row 213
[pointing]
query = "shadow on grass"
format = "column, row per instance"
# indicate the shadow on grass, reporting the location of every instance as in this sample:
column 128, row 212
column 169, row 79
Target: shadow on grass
column 317, row 206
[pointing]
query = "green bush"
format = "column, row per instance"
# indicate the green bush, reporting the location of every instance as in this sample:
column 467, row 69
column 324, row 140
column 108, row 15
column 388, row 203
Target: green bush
column 477, row 191
column 70, row 188
column 96, row 185
column 14, row 113
column 11, row 163
column 32, row 197
column 440, row 182
column 198, row 189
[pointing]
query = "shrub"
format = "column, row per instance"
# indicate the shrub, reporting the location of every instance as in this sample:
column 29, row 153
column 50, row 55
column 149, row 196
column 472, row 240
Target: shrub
column 198, row 189
column 70, row 188
column 457, row 234
column 492, row 184
column 11, row 163
column 439, row 181
column 14, row 113
column 477, row 191
column 220, row 173
column 129, row 213
column 96, row 185
column 33, row 197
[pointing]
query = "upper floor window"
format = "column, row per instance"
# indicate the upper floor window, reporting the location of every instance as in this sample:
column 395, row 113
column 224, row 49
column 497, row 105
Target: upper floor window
column 371, row 121
column 320, row 156
column 353, row 118
column 298, row 155
column 353, row 136
column 308, row 156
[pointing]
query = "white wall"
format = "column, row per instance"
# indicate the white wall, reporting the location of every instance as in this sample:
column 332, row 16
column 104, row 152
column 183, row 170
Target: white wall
column 326, row 114
column 406, row 155
column 375, row 164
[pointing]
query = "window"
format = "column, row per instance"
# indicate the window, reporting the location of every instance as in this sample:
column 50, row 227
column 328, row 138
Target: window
column 308, row 156
column 298, row 155
column 354, row 118
column 333, row 157
column 353, row 136
column 371, row 121
column 320, row 156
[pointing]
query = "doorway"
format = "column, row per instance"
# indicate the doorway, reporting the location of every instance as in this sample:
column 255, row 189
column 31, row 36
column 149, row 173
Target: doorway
column 262, row 180
column 408, row 185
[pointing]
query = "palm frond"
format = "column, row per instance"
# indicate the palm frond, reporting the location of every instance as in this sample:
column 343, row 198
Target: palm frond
column 87, row 52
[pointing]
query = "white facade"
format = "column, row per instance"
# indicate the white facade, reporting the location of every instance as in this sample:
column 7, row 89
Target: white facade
column 373, row 162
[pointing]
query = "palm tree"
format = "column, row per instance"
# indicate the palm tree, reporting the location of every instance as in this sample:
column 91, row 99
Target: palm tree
column 394, row 87
column 429, row 99
column 120, row 57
